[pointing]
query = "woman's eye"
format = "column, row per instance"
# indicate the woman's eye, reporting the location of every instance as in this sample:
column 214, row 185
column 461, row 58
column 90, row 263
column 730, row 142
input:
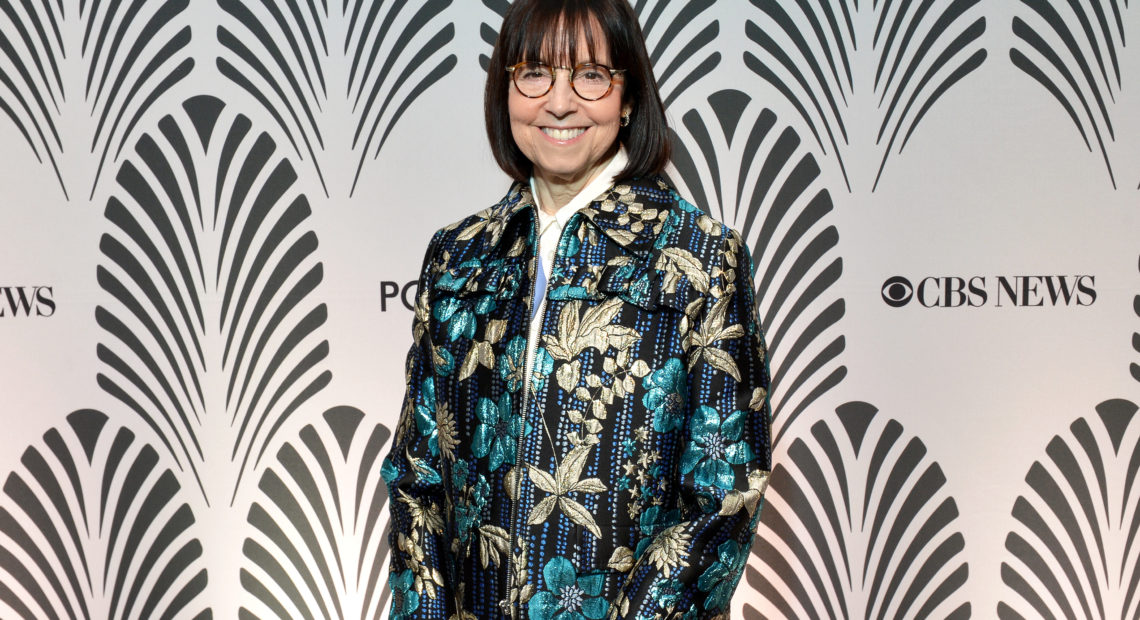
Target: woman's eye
column 534, row 74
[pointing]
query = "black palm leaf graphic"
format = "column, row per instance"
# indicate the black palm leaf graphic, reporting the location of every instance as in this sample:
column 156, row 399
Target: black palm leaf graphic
column 1072, row 49
column 93, row 526
column 1075, row 550
column 735, row 161
column 290, row 56
column 679, row 36
column 131, row 52
column 858, row 523
column 317, row 547
column 1134, row 368
column 912, row 52
column 135, row 52
column 210, row 268
column 31, row 87
column 490, row 32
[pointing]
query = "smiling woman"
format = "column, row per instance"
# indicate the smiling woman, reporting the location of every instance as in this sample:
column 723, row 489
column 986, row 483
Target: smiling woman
column 585, row 432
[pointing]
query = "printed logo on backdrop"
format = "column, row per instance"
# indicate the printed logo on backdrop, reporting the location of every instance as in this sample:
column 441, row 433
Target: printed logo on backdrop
column 810, row 54
column 1073, row 549
column 992, row 291
column 127, row 69
column 395, row 295
column 27, row 301
column 1074, row 51
column 858, row 523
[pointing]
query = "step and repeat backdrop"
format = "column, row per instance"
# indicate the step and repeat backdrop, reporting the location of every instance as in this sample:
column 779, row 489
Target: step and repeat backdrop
column 213, row 214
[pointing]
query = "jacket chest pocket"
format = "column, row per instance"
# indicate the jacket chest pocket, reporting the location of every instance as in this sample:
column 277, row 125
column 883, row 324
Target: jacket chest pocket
column 637, row 282
column 469, row 306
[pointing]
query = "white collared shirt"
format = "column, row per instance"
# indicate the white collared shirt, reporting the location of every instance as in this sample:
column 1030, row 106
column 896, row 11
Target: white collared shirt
column 550, row 231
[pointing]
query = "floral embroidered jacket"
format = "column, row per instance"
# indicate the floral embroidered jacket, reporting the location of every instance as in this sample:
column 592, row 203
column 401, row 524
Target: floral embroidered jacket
column 623, row 478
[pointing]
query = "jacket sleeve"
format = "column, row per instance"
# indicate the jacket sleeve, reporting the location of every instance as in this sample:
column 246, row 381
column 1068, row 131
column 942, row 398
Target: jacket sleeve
column 412, row 471
column 692, row 564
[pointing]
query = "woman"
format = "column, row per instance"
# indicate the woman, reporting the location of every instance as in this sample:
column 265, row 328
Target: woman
column 585, row 432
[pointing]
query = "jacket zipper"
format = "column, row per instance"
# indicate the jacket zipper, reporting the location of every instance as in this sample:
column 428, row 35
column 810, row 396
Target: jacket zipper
column 508, row 608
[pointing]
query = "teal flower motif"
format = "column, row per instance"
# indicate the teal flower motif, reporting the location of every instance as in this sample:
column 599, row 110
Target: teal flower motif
column 715, row 447
column 459, row 472
column 654, row 519
column 666, row 592
column 404, row 599
column 498, row 431
column 444, row 362
column 425, row 415
column 485, row 305
column 627, row 447
column 720, row 579
column 667, row 395
column 512, row 364
column 459, row 320
column 469, row 513
column 569, row 597
column 567, row 292
column 388, row 471
column 543, row 365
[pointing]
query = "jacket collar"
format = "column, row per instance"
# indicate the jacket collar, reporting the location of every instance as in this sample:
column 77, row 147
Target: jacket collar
column 631, row 214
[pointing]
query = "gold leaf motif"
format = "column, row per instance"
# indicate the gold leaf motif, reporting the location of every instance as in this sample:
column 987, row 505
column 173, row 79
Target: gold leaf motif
column 621, row 560
column 543, row 480
column 480, row 354
column 542, row 510
column 721, row 361
column 731, row 504
column 622, row 236
column 759, row 397
column 578, row 514
column 568, row 375
column 493, row 541
column 672, row 259
column 448, row 432
column 496, row 329
column 639, row 369
column 669, row 549
column 511, row 484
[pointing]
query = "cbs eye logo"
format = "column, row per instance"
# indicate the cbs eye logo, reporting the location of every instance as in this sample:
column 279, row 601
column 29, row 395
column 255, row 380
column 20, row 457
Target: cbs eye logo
column 897, row 291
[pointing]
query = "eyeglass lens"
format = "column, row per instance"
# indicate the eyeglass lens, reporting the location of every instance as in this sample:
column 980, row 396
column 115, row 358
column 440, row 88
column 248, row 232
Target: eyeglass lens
column 588, row 81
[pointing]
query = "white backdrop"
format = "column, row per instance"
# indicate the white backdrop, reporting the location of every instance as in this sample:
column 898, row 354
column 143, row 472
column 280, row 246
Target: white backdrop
column 195, row 402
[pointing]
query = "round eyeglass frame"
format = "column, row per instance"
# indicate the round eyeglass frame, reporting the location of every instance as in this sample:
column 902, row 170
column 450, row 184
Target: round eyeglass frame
column 614, row 73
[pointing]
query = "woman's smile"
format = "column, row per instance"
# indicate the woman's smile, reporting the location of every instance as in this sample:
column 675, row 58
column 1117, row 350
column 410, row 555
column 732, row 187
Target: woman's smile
column 563, row 134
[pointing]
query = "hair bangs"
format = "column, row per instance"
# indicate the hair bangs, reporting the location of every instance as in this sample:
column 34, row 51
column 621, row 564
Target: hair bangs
column 552, row 33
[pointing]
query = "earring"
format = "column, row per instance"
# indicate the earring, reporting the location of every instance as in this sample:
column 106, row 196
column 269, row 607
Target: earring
column 625, row 120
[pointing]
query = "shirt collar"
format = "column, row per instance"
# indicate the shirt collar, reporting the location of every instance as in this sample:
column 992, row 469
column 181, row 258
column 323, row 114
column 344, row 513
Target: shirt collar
column 631, row 214
column 586, row 195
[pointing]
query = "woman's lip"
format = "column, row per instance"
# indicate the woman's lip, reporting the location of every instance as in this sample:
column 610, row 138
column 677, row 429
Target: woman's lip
column 563, row 134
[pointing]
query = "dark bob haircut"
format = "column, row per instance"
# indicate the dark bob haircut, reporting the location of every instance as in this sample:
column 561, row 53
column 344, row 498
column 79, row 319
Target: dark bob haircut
column 547, row 31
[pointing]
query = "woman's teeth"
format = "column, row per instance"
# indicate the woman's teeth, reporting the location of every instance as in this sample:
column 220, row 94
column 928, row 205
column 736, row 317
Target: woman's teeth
column 563, row 134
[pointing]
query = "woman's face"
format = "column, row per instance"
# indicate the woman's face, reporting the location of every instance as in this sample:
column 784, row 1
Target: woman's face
column 567, row 138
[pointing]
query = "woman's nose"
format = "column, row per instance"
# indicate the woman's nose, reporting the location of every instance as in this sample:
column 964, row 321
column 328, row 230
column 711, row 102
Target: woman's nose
column 561, row 100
